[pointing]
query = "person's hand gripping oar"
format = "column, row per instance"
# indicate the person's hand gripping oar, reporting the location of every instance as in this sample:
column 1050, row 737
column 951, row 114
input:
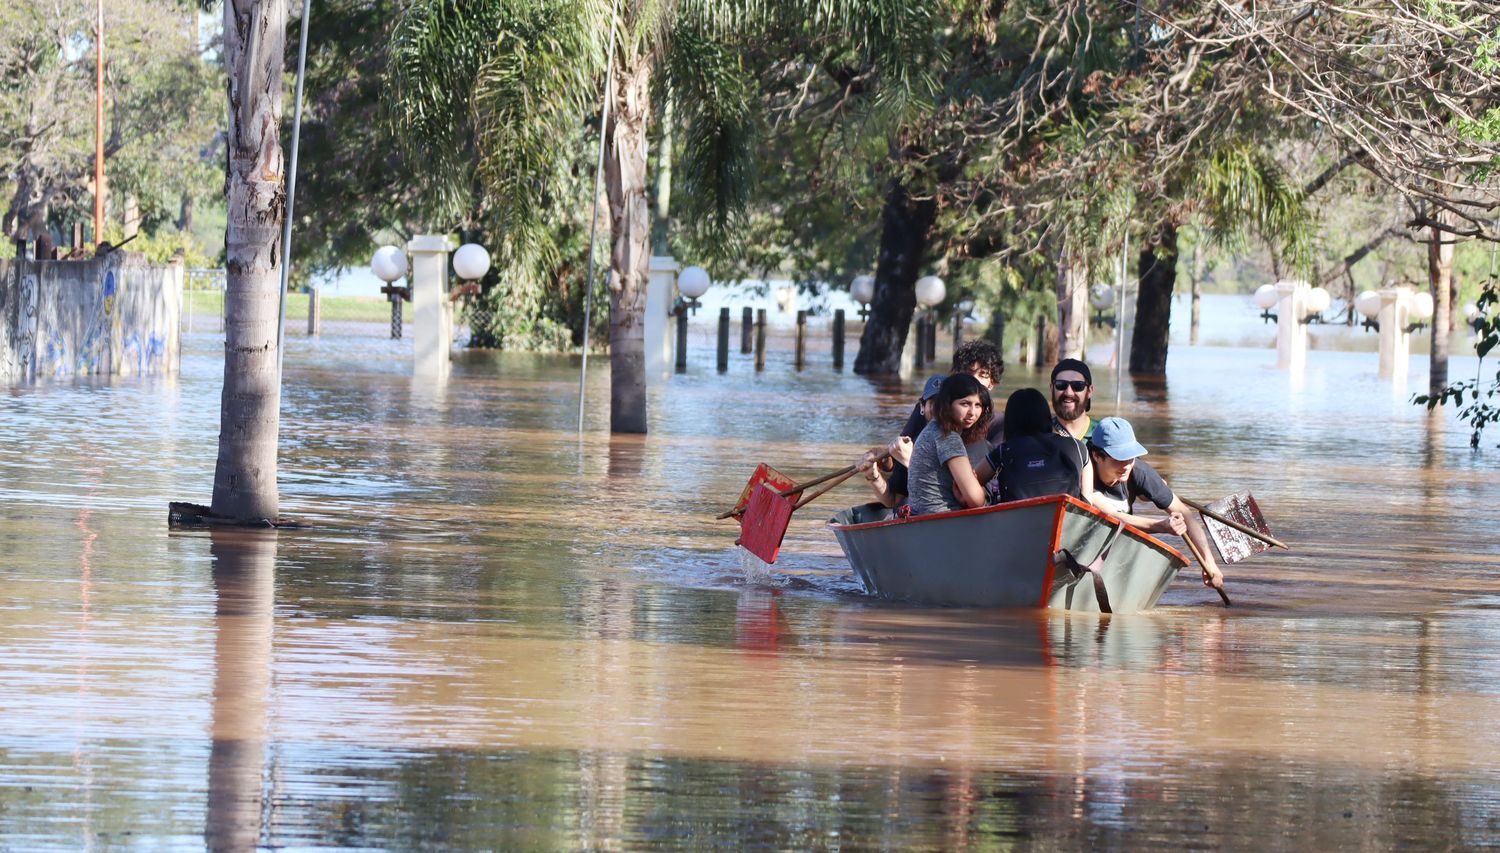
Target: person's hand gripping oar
column 1177, row 523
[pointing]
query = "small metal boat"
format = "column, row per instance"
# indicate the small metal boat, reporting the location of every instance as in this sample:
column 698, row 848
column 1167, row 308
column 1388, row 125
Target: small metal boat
column 1053, row 551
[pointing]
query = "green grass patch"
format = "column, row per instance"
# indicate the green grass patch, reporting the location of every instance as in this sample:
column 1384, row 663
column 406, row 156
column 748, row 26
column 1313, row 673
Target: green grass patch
column 370, row 309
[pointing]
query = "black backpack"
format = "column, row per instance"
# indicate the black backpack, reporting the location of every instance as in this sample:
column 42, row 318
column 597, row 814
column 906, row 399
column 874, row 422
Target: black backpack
column 1035, row 465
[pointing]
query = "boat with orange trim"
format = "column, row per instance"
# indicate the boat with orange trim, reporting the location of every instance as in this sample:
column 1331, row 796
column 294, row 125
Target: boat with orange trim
column 1051, row 552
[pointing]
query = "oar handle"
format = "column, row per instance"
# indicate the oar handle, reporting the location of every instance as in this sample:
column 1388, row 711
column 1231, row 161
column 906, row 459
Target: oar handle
column 1198, row 553
column 841, row 475
column 1248, row 531
column 807, row 499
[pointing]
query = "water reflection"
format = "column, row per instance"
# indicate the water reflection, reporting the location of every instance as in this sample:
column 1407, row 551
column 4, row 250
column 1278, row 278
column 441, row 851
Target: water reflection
column 244, row 580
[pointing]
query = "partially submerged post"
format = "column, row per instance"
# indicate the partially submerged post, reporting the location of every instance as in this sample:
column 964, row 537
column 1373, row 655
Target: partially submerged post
column 723, row 352
column 747, row 322
column 760, row 339
column 801, row 339
column 314, row 311
column 838, row 339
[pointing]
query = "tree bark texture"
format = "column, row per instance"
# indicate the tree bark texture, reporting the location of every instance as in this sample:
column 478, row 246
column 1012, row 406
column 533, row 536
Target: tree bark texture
column 630, row 253
column 1072, row 309
column 1439, row 277
column 906, row 226
column 245, row 474
column 1153, row 307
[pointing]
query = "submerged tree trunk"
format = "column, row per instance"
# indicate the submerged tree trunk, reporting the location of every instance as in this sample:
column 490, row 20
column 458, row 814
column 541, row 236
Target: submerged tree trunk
column 1439, row 276
column 1072, row 309
column 630, row 254
column 906, row 226
column 249, row 420
column 1153, row 307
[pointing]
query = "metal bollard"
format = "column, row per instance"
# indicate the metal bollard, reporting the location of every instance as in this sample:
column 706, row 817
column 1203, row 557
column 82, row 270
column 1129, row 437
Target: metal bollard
column 920, row 354
column 931, row 338
column 838, row 339
column 801, row 339
column 682, row 318
column 760, row 339
column 723, row 339
column 747, row 322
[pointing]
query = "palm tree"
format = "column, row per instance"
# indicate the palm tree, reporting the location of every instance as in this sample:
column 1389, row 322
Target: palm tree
column 524, row 74
column 245, row 473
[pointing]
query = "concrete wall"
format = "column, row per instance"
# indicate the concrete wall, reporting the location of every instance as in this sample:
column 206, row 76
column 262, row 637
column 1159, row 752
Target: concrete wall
column 117, row 315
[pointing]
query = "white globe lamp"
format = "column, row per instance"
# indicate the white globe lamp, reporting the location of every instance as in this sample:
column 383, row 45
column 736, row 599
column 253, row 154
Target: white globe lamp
column 471, row 262
column 1266, row 297
column 862, row 289
column 930, row 290
column 1367, row 303
column 693, row 282
column 1318, row 300
column 388, row 263
column 1421, row 306
column 1101, row 296
column 1471, row 310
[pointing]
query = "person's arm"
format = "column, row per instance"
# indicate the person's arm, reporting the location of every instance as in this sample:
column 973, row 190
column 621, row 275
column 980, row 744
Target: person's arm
column 966, row 486
column 1212, row 575
column 880, row 484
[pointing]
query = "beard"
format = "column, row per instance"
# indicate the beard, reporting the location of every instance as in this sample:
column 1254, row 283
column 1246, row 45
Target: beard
column 1070, row 409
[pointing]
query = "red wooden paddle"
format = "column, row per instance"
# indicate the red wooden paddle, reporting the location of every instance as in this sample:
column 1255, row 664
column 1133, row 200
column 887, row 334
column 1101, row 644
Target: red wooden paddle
column 769, row 511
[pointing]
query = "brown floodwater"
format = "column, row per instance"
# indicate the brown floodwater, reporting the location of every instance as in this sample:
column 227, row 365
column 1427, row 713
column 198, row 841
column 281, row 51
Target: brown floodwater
column 490, row 633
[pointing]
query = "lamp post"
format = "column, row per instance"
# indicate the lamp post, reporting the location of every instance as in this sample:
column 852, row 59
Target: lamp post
column 389, row 264
column 1394, row 313
column 692, row 283
column 862, row 290
column 1102, row 298
column 930, row 292
column 470, row 263
column 1266, row 298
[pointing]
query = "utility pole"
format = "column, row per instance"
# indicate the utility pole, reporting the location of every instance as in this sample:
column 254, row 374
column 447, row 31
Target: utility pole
column 99, row 122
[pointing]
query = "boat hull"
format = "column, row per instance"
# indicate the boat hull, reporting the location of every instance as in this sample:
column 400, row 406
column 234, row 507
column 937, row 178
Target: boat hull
column 1005, row 556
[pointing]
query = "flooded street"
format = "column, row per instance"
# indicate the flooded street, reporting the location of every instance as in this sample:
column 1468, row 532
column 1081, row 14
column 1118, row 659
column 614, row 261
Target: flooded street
column 489, row 633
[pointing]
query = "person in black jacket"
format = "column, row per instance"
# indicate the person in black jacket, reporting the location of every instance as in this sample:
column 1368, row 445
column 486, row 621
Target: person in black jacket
column 1035, row 461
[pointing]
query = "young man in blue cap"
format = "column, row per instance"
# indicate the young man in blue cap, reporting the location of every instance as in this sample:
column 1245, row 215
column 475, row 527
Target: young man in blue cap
column 1121, row 477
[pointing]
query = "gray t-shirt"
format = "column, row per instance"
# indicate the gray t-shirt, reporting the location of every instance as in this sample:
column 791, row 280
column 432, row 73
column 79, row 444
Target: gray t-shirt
column 930, row 483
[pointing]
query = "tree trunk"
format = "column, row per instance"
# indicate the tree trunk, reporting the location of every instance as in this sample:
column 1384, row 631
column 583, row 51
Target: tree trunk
column 630, row 254
column 245, row 474
column 1153, row 308
column 1439, row 276
column 1196, row 278
column 907, row 223
column 1072, row 309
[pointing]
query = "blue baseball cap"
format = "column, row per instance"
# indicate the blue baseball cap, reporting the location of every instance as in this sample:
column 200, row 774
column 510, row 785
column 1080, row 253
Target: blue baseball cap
column 934, row 384
column 1115, row 437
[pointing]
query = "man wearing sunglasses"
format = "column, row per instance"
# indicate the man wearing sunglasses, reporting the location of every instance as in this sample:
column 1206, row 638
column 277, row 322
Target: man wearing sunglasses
column 1072, row 397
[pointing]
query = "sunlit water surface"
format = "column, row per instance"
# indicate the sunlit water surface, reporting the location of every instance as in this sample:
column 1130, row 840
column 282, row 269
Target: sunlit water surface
column 491, row 633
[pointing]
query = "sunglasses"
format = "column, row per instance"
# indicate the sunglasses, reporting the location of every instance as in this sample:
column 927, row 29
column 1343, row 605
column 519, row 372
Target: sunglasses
column 1076, row 384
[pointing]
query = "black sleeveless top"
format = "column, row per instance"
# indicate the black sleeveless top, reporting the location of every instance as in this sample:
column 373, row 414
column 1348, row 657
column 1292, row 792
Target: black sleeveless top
column 1031, row 466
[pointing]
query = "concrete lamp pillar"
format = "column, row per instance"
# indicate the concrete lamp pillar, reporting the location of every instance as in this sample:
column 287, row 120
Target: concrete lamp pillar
column 661, row 291
column 1394, row 318
column 1291, row 331
column 432, row 312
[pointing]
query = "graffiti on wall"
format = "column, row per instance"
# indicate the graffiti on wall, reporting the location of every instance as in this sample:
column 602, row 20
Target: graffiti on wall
column 108, row 316
column 26, row 327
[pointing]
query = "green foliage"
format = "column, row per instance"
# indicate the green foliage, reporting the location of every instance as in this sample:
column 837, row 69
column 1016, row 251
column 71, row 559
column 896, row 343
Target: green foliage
column 1478, row 399
column 1243, row 190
